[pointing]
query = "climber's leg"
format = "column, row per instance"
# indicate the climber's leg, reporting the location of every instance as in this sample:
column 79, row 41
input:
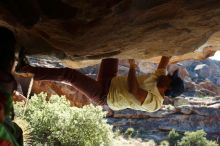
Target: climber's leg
column 108, row 70
column 88, row 86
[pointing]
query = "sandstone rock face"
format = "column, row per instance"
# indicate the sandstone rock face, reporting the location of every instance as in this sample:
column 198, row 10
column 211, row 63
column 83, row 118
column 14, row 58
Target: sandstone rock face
column 79, row 29
column 54, row 88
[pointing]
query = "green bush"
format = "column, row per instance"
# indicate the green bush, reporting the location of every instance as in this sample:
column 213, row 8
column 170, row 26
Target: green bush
column 54, row 122
column 129, row 132
column 173, row 137
column 195, row 138
column 164, row 143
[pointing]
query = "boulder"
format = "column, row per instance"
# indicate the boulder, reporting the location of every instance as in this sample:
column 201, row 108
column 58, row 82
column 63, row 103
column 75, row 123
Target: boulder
column 180, row 101
column 209, row 86
column 202, row 70
column 186, row 110
column 189, row 86
column 55, row 88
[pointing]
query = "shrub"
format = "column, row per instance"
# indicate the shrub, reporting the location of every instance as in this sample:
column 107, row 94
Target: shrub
column 129, row 132
column 173, row 137
column 164, row 143
column 195, row 138
column 54, row 122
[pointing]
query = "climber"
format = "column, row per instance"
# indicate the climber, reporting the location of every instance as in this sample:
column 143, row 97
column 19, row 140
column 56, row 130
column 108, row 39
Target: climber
column 144, row 93
column 8, row 87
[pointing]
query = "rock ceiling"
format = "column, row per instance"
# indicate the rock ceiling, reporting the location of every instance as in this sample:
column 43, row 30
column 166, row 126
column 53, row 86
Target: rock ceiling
column 82, row 30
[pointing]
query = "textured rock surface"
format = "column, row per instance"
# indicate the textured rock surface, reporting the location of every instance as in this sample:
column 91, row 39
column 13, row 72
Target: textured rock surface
column 82, row 29
column 54, row 88
column 185, row 118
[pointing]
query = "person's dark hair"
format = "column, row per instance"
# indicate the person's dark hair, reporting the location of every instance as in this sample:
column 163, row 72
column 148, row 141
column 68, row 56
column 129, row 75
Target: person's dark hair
column 176, row 87
column 7, row 48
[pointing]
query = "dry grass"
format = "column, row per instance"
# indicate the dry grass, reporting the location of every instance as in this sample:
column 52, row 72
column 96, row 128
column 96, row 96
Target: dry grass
column 121, row 141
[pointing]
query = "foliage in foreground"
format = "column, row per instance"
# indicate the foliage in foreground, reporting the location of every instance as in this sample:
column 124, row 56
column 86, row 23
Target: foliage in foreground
column 195, row 138
column 54, row 122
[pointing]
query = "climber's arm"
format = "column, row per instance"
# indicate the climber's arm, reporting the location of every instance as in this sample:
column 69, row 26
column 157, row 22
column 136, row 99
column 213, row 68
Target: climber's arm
column 133, row 85
column 164, row 62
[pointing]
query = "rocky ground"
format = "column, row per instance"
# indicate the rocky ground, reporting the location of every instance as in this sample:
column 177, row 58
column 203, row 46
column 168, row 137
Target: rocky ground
column 121, row 141
column 198, row 114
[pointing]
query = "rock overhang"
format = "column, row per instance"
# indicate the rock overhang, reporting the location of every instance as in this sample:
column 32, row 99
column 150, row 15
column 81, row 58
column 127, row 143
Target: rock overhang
column 85, row 31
